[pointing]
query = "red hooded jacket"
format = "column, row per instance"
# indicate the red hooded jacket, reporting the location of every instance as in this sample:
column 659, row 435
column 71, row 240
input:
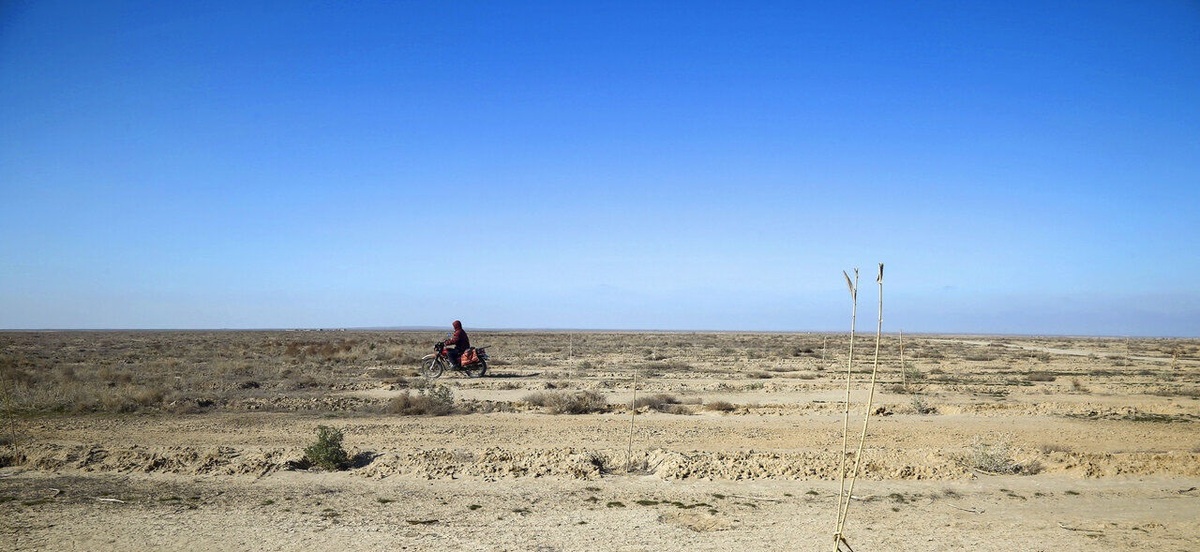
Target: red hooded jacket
column 460, row 340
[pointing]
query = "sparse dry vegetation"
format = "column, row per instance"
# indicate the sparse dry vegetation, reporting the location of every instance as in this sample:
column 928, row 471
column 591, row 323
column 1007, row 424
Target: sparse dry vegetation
column 720, row 406
column 564, row 402
column 1040, row 376
column 92, row 405
column 997, row 458
column 661, row 402
column 922, row 406
column 197, row 372
column 430, row 400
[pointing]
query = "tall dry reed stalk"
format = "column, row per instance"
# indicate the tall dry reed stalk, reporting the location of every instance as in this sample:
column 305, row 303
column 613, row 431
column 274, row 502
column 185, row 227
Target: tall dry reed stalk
column 844, row 504
column 853, row 286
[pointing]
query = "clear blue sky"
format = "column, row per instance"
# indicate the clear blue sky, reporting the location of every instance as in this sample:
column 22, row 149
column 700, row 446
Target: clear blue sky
column 1021, row 167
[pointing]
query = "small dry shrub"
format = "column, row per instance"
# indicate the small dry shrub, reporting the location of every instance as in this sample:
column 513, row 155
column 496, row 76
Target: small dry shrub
column 124, row 399
column 666, row 403
column 1177, row 391
column 980, row 357
column 720, row 406
column 1040, row 376
column 305, row 381
column 997, row 459
column 665, row 366
column 800, row 351
column 11, row 458
column 1050, row 448
column 903, row 389
column 578, row 402
column 436, row 400
column 657, row 402
column 66, row 374
column 114, row 377
column 921, row 406
column 392, row 372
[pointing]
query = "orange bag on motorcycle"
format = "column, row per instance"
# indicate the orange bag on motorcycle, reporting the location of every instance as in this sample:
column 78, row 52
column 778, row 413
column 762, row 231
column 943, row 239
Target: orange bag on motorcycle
column 469, row 357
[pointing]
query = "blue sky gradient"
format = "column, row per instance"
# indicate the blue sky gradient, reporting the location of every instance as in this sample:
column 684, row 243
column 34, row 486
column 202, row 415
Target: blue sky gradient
column 1021, row 167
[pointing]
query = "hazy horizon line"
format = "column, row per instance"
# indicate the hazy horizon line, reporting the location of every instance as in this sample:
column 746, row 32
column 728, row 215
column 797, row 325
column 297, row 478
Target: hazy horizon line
column 583, row 330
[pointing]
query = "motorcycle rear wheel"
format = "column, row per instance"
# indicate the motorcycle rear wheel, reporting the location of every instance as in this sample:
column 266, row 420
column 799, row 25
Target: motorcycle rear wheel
column 432, row 367
column 476, row 370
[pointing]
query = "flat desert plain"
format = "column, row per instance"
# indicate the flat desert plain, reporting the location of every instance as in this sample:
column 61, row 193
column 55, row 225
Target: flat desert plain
column 597, row 441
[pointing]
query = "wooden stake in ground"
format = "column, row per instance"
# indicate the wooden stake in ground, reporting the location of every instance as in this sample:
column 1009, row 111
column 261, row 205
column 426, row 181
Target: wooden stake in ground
column 824, row 340
column 632, row 417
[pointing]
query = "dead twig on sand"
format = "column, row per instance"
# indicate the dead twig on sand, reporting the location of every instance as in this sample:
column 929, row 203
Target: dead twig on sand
column 1078, row 529
column 756, row 498
column 114, row 500
column 969, row 510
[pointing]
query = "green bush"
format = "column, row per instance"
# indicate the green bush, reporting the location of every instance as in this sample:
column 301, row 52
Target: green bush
column 327, row 453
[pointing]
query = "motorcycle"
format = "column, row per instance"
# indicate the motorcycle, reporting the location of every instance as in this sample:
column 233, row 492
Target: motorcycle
column 434, row 364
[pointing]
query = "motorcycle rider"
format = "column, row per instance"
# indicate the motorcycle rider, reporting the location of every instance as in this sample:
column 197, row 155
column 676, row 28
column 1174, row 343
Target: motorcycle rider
column 460, row 343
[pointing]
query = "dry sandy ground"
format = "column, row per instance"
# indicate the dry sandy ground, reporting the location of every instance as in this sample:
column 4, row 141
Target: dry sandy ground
column 1108, row 463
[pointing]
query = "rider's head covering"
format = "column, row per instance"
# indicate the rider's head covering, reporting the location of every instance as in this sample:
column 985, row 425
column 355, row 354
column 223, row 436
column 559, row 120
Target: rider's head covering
column 457, row 325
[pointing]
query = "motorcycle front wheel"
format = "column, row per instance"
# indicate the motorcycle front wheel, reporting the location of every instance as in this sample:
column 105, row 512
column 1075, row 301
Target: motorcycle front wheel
column 432, row 367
